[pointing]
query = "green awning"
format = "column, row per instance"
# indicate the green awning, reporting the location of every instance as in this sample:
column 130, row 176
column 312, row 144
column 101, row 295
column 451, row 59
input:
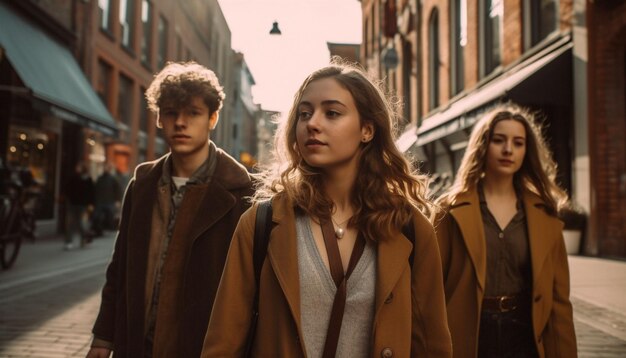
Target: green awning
column 51, row 73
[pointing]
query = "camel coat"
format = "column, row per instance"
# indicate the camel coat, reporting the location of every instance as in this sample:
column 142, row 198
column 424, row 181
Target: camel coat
column 206, row 219
column 409, row 321
column 463, row 251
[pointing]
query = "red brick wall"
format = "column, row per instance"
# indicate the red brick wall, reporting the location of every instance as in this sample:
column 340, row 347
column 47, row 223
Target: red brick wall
column 512, row 31
column 471, row 49
column 606, row 72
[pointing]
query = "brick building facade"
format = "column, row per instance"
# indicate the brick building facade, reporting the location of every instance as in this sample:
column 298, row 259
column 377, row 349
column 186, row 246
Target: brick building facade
column 82, row 98
column 452, row 60
column 606, row 23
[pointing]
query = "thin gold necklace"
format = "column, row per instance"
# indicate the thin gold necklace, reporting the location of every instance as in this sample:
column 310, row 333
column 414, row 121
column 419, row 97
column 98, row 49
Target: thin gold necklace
column 339, row 231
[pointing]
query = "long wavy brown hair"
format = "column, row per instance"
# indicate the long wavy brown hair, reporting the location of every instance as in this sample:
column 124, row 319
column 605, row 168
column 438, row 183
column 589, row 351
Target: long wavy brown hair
column 537, row 173
column 387, row 190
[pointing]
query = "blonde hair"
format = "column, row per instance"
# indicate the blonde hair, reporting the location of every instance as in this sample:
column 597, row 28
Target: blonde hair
column 382, row 168
column 537, row 173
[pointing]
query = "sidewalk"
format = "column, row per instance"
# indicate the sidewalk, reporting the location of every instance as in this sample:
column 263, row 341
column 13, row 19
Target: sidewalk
column 51, row 297
column 598, row 294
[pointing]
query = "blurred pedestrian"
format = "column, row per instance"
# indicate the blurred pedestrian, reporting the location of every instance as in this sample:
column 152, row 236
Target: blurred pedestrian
column 178, row 217
column 340, row 278
column 79, row 200
column 504, row 262
column 107, row 198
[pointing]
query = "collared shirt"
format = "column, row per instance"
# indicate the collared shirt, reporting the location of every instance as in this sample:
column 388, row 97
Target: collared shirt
column 508, row 252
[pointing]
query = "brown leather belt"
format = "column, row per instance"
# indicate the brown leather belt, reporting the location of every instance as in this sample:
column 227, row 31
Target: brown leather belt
column 503, row 303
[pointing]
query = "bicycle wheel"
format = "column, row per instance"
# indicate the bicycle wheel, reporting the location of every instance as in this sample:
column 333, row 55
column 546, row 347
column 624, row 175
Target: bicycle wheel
column 10, row 246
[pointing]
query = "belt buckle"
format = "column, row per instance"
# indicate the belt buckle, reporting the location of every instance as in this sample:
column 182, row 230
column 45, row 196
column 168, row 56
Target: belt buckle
column 501, row 306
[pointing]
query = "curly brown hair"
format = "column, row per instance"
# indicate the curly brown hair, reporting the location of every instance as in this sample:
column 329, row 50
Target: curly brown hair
column 537, row 173
column 383, row 170
column 179, row 82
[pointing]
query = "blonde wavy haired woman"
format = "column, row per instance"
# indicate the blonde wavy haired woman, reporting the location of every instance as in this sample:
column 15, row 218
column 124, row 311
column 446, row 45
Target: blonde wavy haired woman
column 504, row 262
column 339, row 202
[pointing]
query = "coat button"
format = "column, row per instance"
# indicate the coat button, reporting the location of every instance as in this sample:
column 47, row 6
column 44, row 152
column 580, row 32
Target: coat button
column 537, row 298
column 389, row 298
column 386, row 353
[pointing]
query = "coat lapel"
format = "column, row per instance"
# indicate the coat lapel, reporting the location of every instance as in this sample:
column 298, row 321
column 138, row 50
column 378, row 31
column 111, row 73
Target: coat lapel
column 282, row 252
column 202, row 206
column 393, row 259
column 466, row 212
column 538, row 237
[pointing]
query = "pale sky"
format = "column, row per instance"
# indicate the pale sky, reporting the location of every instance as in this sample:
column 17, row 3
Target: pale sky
column 279, row 64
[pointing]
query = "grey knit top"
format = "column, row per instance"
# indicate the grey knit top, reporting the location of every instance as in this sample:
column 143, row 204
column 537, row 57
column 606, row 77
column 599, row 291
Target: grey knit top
column 317, row 292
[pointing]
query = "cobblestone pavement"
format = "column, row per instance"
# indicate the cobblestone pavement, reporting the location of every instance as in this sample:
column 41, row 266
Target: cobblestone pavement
column 50, row 313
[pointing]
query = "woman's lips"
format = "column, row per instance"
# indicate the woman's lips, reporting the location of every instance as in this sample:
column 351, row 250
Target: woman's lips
column 314, row 143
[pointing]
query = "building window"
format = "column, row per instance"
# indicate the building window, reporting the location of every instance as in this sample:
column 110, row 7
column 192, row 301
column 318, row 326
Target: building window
column 407, row 69
column 433, row 60
column 143, row 111
column 127, row 13
column 365, row 37
column 104, row 10
column 103, row 86
column 179, row 47
column 146, row 41
column 162, row 54
column 458, row 31
column 491, row 32
column 540, row 20
column 125, row 100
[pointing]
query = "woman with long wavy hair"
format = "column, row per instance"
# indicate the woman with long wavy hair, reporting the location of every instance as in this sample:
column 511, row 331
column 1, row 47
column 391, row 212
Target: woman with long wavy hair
column 504, row 261
column 340, row 278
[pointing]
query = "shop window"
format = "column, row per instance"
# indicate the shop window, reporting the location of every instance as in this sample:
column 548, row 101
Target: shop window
column 32, row 152
column 458, row 31
column 490, row 16
column 540, row 20
column 433, row 60
column 146, row 40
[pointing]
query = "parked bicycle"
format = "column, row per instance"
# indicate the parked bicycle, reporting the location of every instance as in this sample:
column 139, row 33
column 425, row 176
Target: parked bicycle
column 17, row 216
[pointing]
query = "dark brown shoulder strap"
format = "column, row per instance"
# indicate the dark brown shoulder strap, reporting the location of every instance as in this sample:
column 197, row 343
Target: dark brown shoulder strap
column 336, row 271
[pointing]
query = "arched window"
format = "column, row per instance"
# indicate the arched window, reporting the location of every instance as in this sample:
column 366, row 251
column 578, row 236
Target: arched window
column 458, row 40
column 491, row 12
column 540, row 20
column 433, row 60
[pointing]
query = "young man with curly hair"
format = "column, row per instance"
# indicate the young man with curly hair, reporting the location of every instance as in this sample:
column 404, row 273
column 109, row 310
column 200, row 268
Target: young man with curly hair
column 178, row 216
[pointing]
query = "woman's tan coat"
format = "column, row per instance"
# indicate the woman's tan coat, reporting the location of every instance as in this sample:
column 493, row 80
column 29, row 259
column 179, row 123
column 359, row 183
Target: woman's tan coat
column 409, row 321
column 464, row 265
